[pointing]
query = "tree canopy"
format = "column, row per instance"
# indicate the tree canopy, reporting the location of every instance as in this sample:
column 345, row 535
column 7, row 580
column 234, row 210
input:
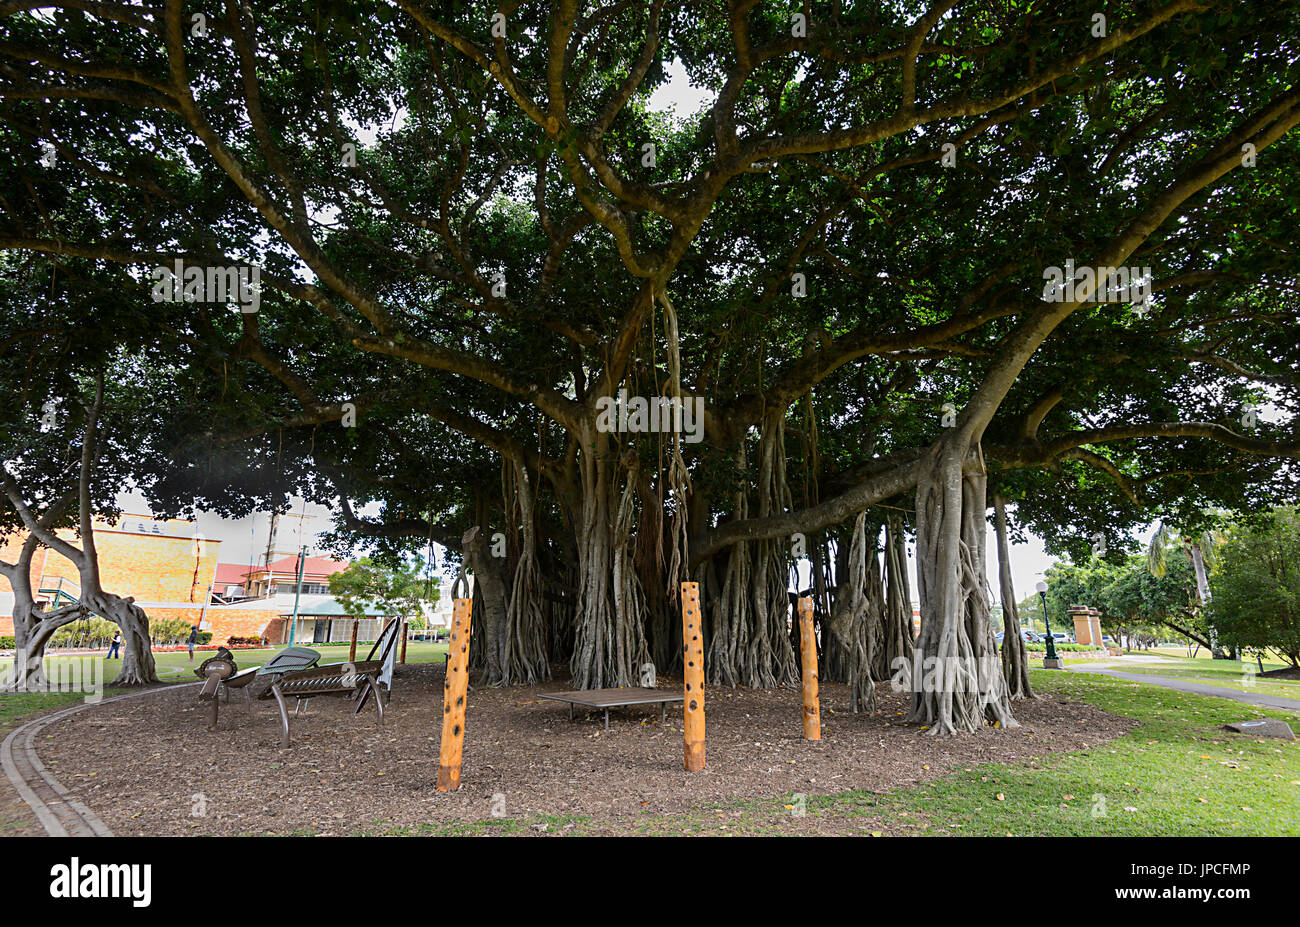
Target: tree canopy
column 472, row 231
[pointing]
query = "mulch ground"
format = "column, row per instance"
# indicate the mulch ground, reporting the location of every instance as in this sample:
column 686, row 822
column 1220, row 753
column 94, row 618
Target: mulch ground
column 1286, row 672
column 148, row 766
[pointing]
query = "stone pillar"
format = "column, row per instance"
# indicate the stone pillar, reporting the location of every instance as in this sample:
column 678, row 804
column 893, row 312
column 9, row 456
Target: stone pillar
column 1082, row 616
column 1095, row 621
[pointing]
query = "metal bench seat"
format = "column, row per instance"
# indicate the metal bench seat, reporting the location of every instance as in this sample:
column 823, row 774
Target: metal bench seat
column 357, row 680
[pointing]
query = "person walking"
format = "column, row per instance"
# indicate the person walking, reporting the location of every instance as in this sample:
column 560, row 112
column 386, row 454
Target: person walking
column 193, row 639
column 114, row 648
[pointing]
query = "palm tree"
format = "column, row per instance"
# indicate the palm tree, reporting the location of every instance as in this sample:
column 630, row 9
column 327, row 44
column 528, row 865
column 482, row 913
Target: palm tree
column 1202, row 554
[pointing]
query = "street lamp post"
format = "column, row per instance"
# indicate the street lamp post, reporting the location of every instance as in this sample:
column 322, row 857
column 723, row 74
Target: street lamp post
column 1050, row 659
column 293, row 626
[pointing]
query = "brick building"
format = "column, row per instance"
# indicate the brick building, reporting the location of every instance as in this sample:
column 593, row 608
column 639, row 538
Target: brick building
column 172, row 571
column 166, row 565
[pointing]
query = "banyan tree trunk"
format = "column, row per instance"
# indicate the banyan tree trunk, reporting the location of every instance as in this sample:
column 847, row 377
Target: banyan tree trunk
column 609, row 638
column 893, row 660
column 1015, row 665
column 523, row 657
column 663, row 624
column 33, row 629
column 487, row 643
column 137, row 651
column 749, row 639
column 857, row 594
column 957, row 684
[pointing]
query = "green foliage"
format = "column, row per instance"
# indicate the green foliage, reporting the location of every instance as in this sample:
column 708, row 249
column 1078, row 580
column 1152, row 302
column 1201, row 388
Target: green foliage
column 367, row 585
column 1256, row 586
column 1130, row 598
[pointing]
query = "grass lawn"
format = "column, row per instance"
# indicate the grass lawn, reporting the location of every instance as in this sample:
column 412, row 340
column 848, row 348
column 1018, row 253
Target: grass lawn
column 1227, row 674
column 1177, row 774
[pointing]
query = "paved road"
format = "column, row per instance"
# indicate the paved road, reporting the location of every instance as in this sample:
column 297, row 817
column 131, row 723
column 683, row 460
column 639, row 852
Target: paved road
column 1186, row 685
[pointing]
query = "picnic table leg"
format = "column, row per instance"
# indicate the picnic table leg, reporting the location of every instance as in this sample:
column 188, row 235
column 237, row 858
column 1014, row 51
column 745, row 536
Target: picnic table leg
column 284, row 716
column 570, row 711
column 607, row 719
column 379, row 703
column 663, row 712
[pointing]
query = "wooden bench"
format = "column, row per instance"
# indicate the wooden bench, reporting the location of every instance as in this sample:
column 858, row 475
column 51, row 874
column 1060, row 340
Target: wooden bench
column 605, row 699
column 354, row 680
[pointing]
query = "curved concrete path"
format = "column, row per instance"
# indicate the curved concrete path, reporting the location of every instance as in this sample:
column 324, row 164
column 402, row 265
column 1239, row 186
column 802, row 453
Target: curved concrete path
column 58, row 810
column 1186, row 685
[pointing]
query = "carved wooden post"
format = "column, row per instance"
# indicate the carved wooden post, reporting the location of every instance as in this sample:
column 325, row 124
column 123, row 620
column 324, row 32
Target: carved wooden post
column 453, row 698
column 693, row 671
column 812, row 718
column 352, row 652
column 406, row 625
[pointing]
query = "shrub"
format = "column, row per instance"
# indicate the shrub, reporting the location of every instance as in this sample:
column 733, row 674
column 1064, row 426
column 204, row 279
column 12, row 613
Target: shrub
column 236, row 641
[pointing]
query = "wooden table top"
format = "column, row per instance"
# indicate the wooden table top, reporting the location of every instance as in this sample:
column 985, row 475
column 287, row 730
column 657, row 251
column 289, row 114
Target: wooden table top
column 608, row 698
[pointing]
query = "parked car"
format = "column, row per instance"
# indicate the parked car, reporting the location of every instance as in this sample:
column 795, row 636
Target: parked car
column 1028, row 636
column 1062, row 638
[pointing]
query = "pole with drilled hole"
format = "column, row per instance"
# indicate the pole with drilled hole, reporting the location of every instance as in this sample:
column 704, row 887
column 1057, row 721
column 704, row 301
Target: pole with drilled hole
column 454, row 690
column 812, row 714
column 693, row 666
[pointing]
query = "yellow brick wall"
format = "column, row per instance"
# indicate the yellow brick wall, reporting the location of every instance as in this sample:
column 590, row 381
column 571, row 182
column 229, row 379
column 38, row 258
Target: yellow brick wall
column 148, row 567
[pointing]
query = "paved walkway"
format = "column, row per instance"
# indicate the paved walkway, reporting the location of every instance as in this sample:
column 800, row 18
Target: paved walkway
column 59, row 811
column 1186, row 685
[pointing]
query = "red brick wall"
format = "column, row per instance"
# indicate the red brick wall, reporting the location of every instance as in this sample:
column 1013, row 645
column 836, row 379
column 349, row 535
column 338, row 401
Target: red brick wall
column 225, row 623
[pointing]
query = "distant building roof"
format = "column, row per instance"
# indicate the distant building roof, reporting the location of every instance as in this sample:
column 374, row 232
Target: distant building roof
column 333, row 608
column 314, row 568
column 230, row 574
column 280, row 604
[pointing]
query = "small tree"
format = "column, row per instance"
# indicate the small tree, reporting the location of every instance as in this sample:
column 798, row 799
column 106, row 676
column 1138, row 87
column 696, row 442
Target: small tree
column 1256, row 586
column 368, row 584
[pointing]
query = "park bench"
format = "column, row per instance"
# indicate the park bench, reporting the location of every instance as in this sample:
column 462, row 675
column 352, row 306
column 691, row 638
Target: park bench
column 605, row 699
column 354, row 680
column 240, row 681
column 221, row 675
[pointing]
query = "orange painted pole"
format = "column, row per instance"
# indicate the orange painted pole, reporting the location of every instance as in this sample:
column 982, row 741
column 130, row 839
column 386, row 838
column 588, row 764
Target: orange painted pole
column 405, row 627
column 352, row 652
column 454, row 690
column 693, row 673
column 812, row 715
